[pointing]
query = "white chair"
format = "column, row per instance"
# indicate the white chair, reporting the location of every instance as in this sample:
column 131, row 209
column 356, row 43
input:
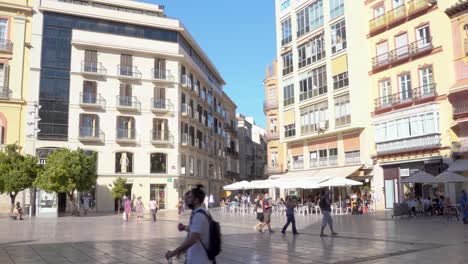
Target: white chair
column 317, row 210
column 232, row 208
column 338, row 208
column 223, row 209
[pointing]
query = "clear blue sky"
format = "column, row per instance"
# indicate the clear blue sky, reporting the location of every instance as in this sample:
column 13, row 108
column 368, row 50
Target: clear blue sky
column 239, row 37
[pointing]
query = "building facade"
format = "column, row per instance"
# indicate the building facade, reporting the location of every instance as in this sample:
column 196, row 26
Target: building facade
column 323, row 80
column 252, row 149
column 15, row 39
column 411, row 49
column 458, row 92
column 275, row 149
column 120, row 79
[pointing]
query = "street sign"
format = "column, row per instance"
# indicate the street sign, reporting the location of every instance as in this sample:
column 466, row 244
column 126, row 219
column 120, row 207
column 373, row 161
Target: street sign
column 169, row 180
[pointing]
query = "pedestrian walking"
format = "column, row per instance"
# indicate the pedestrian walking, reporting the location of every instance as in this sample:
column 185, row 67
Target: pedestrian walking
column 205, row 203
column 86, row 204
column 211, row 201
column 139, row 207
column 180, row 207
column 128, row 209
column 19, row 210
column 154, row 209
column 259, row 211
column 267, row 210
column 290, row 206
column 203, row 241
column 325, row 207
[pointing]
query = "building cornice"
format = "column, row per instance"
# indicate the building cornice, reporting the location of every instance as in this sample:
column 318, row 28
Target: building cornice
column 18, row 7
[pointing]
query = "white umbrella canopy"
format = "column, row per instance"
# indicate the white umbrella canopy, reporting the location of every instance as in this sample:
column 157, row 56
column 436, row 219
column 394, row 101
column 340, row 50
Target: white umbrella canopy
column 263, row 184
column 236, row 186
column 449, row 176
column 298, row 183
column 420, row 177
column 338, row 182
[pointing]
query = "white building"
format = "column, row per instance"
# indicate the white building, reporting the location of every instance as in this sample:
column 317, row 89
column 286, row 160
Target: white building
column 120, row 79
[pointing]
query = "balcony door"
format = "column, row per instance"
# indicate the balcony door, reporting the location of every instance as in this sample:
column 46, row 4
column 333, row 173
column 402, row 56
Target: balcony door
column 405, row 87
column 159, row 98
column 423, row 37
column 382, row 53
column 160, row 68
column 3, row 77
column 89, row 92
column 126, row 65
column 385, row 92
column 125, row 127
column 89, row 125
column 160, row 129
column 398, row 3
column 427, row 79
column 125, row 98
column 274, row 159
column 402, row 48
column 91, row 60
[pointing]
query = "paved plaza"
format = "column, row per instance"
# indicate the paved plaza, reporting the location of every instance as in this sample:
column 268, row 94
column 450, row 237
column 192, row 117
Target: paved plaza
column 373, row 238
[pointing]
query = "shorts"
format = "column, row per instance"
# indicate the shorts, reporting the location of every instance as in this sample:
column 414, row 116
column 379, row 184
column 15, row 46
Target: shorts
column 267, row 218
column 260, row 217
column 327, row 219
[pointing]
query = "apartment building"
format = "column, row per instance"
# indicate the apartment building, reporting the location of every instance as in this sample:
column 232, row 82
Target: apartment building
column 252, row 149
column 411, row 75
column 15, row 33
column 458, row 92
column 120, row 79
column 322, row 79
column 275, row 149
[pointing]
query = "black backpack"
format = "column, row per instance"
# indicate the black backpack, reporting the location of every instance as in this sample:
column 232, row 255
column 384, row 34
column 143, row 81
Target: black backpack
column 215, row 238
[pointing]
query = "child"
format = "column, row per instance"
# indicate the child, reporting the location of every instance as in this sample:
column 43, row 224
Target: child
column 20, row 210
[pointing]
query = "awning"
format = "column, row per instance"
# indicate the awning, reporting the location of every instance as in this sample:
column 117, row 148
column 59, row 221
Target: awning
column 341, row 172
column 264, row 184
column 236, row 186
column 295, row 175
column 459, row 166
column 339, row 182
column 420, row 177
column 448, row 176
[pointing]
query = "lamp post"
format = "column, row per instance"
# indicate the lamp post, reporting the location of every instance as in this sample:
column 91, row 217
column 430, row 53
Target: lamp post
column 33, row 134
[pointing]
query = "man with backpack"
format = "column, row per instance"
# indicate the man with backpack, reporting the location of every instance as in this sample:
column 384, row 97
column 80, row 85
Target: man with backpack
column 325, row 207
column 203, row 242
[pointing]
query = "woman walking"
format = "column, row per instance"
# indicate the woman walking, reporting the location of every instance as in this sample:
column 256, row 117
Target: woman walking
column 290, row 206
column 139, row 209
column 128, row 209
column 259, row 211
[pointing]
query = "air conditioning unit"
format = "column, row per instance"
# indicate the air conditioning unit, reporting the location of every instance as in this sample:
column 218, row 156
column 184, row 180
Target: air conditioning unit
column 322, row 126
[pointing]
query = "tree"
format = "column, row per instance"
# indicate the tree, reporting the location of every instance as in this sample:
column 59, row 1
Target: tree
column 68, row 171
column 17, row 172
column 119, row 190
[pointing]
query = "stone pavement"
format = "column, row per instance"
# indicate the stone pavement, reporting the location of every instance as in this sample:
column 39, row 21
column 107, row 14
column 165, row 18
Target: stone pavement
column 373, row 238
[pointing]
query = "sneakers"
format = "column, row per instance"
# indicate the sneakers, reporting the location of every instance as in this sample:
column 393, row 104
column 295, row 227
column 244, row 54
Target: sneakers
column 334, row 234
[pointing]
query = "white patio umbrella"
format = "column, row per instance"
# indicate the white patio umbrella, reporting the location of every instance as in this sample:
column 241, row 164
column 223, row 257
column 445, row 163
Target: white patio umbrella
column 236, row 186
column 338, row 182
column 420, row 177
column 448, row 176
column 263, row 184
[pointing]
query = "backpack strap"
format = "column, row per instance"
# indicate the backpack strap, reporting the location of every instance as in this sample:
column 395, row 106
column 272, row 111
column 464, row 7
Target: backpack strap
column 210, row 220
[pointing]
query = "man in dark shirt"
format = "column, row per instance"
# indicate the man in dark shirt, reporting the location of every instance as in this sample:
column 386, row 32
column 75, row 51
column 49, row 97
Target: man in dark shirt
column 290, row 206
column 325, row 207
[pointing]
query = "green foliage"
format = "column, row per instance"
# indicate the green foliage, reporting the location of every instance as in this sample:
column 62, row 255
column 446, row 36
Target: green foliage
column 67, row 171
column 119, row 189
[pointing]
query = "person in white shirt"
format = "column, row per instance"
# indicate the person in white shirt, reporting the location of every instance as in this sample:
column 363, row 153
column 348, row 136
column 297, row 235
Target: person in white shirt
column 154, row 209
column 198, row 231
column 211, row 201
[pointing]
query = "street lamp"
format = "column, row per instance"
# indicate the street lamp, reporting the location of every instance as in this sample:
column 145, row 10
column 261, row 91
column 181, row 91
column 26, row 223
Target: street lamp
column 33, row 130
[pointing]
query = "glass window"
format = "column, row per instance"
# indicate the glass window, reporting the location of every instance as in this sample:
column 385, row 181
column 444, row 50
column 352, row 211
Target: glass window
column 427, row 81
column 313, row 83
column 333, row 152
column 3, row 30
column 287, row 63
column 341, row 80
column 183, row 164
column 288, row 94
column 290, row 130
column 314, row 118
column 423, row 37
column 312, row 51
column 342, row 111
column 123, row 162
column 338, row 36
column 405, row 86
column 286, row 31
column 158, row 162
column 385, row 90
column 316, row 15
column 302, row 22
column 191, row 165
column 336, row 8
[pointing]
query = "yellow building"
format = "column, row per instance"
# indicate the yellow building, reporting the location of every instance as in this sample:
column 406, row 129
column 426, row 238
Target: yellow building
column 410, row 43
column 15, row 35
column 275, row 149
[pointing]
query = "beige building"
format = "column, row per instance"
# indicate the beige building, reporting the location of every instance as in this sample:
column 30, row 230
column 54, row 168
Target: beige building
column 410, row 43
column 275, row 149
column 15, row 39
column 323, row 88
column 252, row 149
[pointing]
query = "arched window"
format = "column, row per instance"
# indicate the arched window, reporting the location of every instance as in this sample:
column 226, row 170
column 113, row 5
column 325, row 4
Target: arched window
column 123, row 162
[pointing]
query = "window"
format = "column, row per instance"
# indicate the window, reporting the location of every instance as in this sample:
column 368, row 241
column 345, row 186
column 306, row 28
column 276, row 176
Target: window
column 125, row 127
column 90, row 61
column 341, row 80
column 160, row 69
column 126, row 98
column 310, row 18
column 126, row 65
column 338, row 36
column 287, row 63
column 290, row 130
column 405, row 87
column 302, row 22
column 313, row 83
column 423, row 38
column 415, row 125
column 274, row 158
column 183, row 164
column 3, row 30
column 123, row 162
column 89, row 126
column 379, row 11
column 398, row 3
column 314, row 118
column 273, row 125
column 199, row 168
column 191, row 165
column 333, row 152
column 286, row 32
column 385, row 91
column 89, row 95
column 288, row 94
column 402, row 48
column 336, row 8
column 382, row 53
column 427, row 81
column 158, row 162
column 342, row 111
column 313, row 158
column 312, row 51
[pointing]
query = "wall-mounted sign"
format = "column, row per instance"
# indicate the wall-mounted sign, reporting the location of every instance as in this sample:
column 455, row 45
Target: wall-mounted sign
column 404, row 172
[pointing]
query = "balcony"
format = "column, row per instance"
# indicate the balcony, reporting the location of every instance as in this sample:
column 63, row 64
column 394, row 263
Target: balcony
column 402, row 54
column 399, row 14
column 91, row 134
column 353, row 157
column 298, row 164
column 324, row 162
column 90, row 100
column 128, row 103
column 272, row 135
column 5, row 93
column 6, row 46
column 186, row 81
column 161, row 137
column 162, row 75
column 231, row 152
column 186, row 110
column 270, row 105
column 161, row 105
column 409, row 96
column 186, row 140
column 93, row 68
column 202, row 95
column 460, row 107
column 274, row 169
column 196, row 89
column 409, row 144
column 461, row 146
column 126, row 135
column 128, row 72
